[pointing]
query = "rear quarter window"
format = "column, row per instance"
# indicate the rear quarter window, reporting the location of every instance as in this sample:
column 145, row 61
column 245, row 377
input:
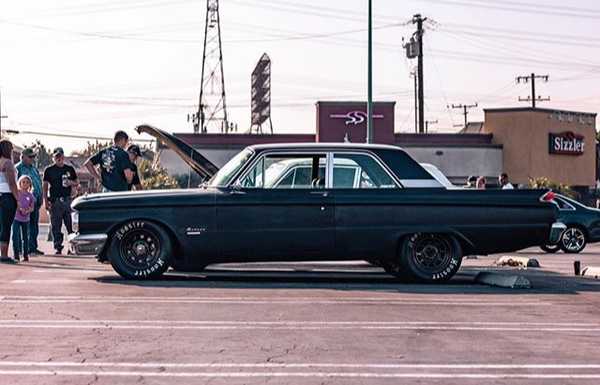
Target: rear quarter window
column 402, row 165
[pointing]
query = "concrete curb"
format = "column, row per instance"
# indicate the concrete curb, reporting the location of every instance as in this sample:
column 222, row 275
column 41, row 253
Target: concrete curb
column 517, row 261
column 502, row 280
column 591, row 271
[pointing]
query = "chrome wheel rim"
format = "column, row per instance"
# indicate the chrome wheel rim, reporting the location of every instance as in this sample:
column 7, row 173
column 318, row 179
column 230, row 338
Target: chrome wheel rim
column 140, row 249
column 573, row 239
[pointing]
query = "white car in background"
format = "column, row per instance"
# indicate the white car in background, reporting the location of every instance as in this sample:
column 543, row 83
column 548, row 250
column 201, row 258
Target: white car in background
column 438, row 175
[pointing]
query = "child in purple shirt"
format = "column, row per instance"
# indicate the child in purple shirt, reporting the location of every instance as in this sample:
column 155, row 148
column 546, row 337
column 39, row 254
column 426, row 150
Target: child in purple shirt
column 25, row 205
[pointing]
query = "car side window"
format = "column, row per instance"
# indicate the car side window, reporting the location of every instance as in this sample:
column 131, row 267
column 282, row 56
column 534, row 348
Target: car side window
column 286, row 171
column 564, row 205
column 367, row 173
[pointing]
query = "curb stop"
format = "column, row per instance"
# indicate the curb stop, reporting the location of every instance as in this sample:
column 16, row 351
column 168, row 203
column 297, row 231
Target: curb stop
column 503, row 280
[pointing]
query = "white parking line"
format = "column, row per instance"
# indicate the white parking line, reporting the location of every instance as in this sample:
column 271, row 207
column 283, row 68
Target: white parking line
column 302, row 374
column 523, row 327
column 276, row 365
column 270, row 301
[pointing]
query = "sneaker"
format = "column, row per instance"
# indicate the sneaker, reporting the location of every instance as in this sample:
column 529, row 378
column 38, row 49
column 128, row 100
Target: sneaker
column 9, row 261
column 37, row 252
column 58, row 251
column 25, row 259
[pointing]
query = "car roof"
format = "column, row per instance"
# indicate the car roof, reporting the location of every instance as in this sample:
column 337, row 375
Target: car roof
column 323, row 146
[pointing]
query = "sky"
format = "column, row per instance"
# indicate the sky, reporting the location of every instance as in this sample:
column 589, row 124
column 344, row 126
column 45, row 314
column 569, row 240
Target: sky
column 91, row 67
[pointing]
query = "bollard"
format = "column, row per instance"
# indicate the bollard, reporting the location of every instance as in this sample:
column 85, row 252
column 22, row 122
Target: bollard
column 577, row 267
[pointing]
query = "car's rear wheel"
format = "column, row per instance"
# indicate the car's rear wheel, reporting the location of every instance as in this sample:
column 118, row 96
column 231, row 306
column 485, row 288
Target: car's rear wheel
column 573, row 240
column 550, row 248
column 140, row 250
column 430, row 257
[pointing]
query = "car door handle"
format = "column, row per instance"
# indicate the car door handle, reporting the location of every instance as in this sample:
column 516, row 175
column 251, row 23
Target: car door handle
column 321, row 193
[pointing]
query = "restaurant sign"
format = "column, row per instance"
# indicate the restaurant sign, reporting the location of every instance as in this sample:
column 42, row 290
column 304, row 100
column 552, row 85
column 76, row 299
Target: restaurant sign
column 566, row 143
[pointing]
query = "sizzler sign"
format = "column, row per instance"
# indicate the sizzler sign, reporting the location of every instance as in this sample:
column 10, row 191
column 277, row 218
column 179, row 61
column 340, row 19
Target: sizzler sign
column 566, row 143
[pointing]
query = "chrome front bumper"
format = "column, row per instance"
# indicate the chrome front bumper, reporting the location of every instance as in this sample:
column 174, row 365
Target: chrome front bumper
column 555, row 232
column 87, row 244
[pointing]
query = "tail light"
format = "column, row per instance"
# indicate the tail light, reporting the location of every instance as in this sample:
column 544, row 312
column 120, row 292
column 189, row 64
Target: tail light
column 548, row 197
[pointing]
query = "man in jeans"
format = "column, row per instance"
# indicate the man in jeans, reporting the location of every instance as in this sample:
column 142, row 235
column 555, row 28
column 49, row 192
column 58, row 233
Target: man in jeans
column 26, row 167
column 59, row 178
column 115, row 167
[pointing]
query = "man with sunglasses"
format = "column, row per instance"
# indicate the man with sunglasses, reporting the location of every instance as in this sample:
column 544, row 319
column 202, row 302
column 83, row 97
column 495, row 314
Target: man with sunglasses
column 27, row 167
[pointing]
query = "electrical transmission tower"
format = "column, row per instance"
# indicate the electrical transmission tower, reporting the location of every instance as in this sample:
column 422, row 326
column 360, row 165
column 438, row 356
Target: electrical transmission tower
column 212, row 108
column 532, row 98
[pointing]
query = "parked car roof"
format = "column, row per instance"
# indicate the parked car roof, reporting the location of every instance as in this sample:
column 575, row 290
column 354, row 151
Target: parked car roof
column 324, row 145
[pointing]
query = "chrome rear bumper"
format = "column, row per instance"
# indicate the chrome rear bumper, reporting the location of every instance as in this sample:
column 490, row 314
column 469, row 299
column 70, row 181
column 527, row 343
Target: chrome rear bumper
column 555, row 232
column 87, row 244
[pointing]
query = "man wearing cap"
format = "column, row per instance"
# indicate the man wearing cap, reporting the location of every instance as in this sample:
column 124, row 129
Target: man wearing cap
column 26, row 167
column 115, row 167
column 59, row 179
column 135, row 153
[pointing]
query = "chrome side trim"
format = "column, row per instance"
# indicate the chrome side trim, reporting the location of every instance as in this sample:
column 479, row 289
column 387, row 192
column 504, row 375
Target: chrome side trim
column 87, row 244
column 421, row 183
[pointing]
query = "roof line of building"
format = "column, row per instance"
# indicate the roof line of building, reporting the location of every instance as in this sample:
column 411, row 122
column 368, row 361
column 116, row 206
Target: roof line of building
column 537, row 109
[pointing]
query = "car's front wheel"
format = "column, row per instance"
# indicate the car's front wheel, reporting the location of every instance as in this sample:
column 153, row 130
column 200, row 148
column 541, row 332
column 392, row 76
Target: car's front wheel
column 140, row 250
column 573, row 240
column 430, row 257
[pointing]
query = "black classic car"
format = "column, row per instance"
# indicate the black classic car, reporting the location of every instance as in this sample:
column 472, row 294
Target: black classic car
column 319, row 201
column 583, row 226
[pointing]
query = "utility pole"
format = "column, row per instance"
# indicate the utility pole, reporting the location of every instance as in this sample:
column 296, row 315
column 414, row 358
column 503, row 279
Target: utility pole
column 427, row 123
column 465, row 108
column 414, row 76
column 533, row 98
column 417, row 19
column 370, row 78
column 1, row 116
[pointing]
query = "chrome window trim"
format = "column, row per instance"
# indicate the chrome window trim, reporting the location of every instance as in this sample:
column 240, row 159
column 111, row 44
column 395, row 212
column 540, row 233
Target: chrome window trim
column 246, row 171
column 376, row 159
column 565, row 202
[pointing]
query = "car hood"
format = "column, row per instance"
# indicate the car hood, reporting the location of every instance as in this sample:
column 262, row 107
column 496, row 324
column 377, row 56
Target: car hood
column 204, row 167
column 149, row 198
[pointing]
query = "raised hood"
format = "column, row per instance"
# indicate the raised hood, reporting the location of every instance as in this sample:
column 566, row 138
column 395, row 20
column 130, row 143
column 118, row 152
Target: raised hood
column 204, row 167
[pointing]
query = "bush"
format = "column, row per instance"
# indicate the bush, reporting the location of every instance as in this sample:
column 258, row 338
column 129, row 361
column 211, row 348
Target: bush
column 155, row 177
column 545, row 183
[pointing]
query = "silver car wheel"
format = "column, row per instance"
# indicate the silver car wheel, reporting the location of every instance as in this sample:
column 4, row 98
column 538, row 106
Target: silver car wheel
column 573, row 239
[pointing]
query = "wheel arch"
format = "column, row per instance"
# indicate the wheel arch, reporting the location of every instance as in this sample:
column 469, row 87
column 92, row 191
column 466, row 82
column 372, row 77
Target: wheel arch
column 580, row 227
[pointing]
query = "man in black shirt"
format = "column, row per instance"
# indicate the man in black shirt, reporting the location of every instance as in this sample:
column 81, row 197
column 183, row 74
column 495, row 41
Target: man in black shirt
column 115, row 167
column 135, row 153
column 59, row 178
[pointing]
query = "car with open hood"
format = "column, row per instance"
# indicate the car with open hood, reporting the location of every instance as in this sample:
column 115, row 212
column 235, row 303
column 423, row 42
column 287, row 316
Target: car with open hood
column 309, row 201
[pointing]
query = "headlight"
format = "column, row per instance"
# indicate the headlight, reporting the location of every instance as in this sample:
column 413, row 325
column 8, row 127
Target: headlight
column 75, row 221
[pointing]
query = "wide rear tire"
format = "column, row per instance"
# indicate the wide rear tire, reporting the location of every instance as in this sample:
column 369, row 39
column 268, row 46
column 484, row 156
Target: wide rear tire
column 430, row 257
column 140, row 250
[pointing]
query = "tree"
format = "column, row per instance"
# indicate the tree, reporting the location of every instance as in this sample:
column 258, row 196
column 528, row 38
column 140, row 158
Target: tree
column 155, row 177
column 545, row 183
column 91, row 148
column 44, row 155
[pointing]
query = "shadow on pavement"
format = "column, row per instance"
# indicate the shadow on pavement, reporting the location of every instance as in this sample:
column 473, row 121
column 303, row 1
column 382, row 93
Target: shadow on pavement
column 462, row 283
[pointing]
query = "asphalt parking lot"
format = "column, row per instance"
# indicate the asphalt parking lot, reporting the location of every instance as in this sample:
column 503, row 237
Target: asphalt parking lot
column 70, row 320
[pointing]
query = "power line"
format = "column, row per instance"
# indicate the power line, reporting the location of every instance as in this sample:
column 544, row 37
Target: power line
column 465, row 108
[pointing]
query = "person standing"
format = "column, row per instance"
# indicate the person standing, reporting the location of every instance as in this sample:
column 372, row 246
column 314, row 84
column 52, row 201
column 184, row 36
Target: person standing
column 59, row 179
column 481, row 182
column 8, row 198
column 504, row 183
column 135, row 153
column 26, row 167
column 25, row 205
column 115, row 167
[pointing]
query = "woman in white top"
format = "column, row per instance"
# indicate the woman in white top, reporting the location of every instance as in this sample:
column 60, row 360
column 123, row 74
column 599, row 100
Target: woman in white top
column 8, row 197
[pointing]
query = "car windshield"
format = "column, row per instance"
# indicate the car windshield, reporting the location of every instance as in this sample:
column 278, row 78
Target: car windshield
column 227, row 172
